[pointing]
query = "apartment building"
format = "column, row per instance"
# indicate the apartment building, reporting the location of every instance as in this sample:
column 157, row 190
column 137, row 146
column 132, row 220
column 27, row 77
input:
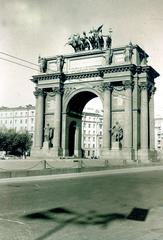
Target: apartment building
column 92, row 131
column 18, row 118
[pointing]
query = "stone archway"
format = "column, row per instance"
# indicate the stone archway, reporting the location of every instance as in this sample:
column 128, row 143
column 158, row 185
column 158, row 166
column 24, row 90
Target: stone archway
column 125, row 85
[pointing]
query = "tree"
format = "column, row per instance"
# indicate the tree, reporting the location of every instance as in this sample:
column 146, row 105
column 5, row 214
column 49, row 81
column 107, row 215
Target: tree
column 13, row 142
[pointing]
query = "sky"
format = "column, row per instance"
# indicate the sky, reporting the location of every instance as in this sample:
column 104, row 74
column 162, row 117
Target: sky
column 30, row 28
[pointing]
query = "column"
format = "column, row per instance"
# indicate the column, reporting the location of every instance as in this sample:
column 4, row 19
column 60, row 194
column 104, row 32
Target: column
column 107, row 116
column 77, row 148
column 57, row 119
column 39, row 118
column 128, row 132
column 144, row 115
column 151, row 118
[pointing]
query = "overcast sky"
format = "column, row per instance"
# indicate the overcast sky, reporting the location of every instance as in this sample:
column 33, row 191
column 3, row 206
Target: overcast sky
column 32, row 27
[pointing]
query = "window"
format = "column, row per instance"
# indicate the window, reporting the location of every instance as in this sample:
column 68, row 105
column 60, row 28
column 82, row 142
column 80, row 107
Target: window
column 93, row 145
column 10, row 121
column 21, row 121
column 89, row 125
column 26, row 120
column 94, row 132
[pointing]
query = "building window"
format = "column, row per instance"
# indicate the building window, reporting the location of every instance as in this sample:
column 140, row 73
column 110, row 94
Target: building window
column 93, row 145
column 32, row 120
column 21, row 121
column 89, row 125
column 93, row 138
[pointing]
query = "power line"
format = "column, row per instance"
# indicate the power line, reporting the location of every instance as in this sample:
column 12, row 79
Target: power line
column 18, row 64
column 21, row 59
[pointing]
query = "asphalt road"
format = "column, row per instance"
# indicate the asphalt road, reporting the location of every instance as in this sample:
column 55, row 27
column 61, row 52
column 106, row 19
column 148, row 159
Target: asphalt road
column 87, row 208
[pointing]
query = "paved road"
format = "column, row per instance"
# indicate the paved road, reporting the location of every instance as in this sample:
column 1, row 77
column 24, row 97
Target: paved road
column 82, row 208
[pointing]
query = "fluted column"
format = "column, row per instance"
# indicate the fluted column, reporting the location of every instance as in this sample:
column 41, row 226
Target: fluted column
column 151, row 118
column 57, row 119
column 128, row 133
column 107, row 116
column 144, row 115
column 39, row 118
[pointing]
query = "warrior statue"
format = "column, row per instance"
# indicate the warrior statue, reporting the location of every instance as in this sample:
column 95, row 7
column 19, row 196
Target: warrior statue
column 117, row 132
column 128, row 52
column 48, row 134
column 42, row 64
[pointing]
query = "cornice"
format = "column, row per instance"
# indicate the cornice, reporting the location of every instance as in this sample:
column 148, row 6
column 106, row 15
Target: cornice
column 98, row 73
column 150, row 71
column 118, row 68
column 82, row 75
column 42, row 77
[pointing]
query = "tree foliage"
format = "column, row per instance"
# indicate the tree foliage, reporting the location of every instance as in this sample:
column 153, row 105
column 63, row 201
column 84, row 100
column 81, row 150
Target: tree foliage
column 13, row 142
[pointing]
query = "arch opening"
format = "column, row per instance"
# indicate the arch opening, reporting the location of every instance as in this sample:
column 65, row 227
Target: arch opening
column 83, row 135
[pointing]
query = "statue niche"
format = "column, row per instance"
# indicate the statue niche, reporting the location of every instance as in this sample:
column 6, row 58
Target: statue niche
column 48, row 135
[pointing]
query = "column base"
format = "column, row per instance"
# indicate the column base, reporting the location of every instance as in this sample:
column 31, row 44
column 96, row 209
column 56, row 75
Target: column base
column 45, row 152
column 118, row 155
column 146, row 155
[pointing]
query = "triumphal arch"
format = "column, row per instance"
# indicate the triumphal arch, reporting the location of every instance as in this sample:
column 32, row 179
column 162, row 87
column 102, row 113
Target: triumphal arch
column 119, row 76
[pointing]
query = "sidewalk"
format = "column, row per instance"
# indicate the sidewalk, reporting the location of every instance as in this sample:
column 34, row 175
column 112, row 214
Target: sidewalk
column 58, row 176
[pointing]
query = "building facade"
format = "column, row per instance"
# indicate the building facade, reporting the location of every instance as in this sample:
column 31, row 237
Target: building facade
column 18, row 118
column 23, row 118
column 159, row 133
column 92, row 132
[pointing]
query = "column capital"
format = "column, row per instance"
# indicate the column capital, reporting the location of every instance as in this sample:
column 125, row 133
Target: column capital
column 106, row 86
column 128, row 84
column 56, row 90
column 144, row 86
column 39, row 92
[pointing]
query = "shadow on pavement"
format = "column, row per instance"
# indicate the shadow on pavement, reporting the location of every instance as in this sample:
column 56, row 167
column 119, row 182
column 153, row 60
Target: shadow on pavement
column 64, row 217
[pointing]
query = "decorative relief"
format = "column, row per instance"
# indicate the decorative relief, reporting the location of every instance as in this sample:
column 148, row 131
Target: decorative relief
column 68, row 90
column 118, row 88
column 152, row 90
column 98, row 87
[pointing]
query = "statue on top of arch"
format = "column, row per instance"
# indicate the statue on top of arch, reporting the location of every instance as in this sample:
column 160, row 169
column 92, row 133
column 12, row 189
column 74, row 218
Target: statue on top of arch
column 94, row 40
